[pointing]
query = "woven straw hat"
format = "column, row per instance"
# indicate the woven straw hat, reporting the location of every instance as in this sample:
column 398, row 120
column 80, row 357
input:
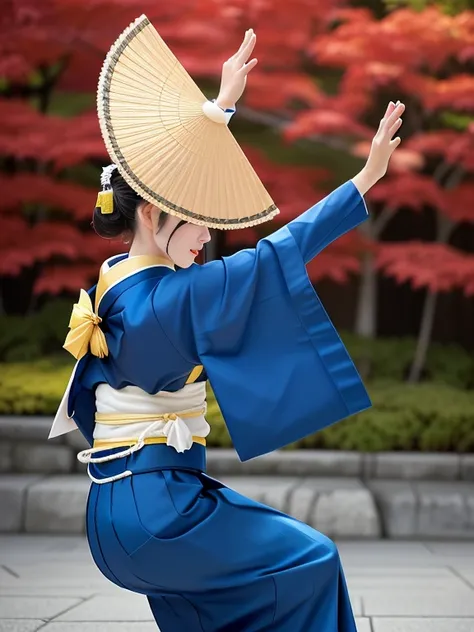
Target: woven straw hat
column 169, row 142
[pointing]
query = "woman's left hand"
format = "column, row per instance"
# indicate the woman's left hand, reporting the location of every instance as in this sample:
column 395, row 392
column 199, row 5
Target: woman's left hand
column 235, row 71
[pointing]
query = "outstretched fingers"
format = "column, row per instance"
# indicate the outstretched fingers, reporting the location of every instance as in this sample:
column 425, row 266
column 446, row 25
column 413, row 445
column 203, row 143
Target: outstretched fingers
column 389, row 125
column 393, row 124
column 390, row 107
column 247, row 47
column 246, row 68
column 395, row 127
column 393, row 144
column 247, row 36
column 393, row 118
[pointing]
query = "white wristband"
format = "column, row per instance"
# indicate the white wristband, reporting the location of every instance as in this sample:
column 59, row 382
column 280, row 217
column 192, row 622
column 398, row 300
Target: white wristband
column 217, row 114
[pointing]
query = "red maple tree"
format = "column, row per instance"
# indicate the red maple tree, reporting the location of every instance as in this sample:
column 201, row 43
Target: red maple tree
column 325, row 73
column 423, row 58
column 56, row 46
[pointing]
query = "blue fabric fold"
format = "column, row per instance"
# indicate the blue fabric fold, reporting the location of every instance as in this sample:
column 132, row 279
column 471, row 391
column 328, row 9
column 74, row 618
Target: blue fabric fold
column 276, row 363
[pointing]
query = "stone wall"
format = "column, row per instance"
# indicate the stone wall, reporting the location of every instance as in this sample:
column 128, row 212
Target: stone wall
column 43, row 488
column 25, row 448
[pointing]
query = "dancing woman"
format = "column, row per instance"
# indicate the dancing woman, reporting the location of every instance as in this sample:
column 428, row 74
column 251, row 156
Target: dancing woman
column 157, row 326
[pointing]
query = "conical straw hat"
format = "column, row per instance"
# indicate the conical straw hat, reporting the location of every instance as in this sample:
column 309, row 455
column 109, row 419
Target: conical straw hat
column 155, row 127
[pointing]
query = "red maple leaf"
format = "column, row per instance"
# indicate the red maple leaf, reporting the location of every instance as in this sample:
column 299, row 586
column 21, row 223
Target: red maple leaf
column 55, row 279
column 27, row 188
column 437, row 267
column 325, row 122
column 410, row 190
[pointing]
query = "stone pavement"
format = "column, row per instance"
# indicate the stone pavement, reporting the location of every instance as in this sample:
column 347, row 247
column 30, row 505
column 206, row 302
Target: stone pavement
column 49, row 583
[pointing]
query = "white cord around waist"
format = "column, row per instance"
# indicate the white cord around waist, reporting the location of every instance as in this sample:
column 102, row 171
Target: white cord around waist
column 85, row 456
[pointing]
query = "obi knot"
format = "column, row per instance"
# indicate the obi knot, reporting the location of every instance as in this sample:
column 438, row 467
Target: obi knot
column 177, row 433
column 170, row 416
column 85, row 332
column 95, row 319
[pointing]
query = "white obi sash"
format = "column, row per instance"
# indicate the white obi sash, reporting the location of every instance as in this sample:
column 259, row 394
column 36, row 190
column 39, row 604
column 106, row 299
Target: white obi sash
column 190, row 402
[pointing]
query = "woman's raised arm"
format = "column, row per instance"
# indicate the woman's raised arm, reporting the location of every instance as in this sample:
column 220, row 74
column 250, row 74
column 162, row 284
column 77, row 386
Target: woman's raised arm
column 343, row 209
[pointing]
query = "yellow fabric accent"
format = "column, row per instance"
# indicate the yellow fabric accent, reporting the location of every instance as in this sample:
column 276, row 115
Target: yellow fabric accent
column 125, row 268
column 107, row 444
column 119, row 419
column 105, row 201
column 195, row 373
column 85, row 330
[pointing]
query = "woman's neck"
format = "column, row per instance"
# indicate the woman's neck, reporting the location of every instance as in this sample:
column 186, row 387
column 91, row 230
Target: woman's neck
column 142, row 246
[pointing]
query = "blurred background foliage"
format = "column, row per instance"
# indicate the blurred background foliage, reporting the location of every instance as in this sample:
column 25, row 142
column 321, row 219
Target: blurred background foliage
column 400, row 288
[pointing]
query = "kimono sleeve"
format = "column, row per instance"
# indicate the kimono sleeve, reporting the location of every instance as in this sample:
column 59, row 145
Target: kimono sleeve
column 324, row 222
column 275, row 361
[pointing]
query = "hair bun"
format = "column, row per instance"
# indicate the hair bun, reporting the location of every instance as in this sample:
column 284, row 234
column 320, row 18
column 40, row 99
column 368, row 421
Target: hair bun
column 125, row 200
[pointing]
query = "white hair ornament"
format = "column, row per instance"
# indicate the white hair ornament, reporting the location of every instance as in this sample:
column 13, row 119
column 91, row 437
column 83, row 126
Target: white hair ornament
column 105, row 198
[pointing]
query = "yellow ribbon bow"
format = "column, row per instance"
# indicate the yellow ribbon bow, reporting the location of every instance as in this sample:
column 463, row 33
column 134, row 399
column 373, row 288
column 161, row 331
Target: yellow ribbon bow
column 85, row 330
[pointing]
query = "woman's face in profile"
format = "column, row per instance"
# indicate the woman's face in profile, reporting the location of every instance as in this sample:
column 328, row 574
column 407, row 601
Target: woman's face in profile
column 186, row 241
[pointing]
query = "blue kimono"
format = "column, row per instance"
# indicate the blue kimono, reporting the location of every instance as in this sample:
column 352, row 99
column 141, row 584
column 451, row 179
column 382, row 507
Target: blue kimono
column 207, row 558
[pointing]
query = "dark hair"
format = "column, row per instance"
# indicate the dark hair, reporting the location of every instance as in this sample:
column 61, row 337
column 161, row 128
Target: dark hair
column 122, row 220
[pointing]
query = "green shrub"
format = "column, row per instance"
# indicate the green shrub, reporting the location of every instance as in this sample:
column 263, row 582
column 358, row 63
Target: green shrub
column 391, row 358
column 26, row 338
column 450, row 364
column 33, row 388
column 388, row 358
column 425, row 417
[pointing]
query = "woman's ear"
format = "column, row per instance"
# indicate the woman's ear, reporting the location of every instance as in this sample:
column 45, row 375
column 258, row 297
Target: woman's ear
column 145, row 212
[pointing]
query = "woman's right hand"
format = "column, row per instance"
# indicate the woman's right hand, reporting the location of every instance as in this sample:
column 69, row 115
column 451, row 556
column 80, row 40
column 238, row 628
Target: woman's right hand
column 382, row 148
column 235, row 71
column 383, row 144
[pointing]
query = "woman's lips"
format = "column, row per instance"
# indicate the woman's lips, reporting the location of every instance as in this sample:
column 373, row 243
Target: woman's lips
column 195, row 252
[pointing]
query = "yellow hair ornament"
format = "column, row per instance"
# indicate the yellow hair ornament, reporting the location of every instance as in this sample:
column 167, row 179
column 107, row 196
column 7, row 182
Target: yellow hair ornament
column 105, row 201
column 85, row 331
column 105, row 198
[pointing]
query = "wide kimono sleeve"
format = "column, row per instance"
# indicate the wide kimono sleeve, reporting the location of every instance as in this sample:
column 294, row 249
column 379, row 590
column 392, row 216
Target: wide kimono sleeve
column 277, row 365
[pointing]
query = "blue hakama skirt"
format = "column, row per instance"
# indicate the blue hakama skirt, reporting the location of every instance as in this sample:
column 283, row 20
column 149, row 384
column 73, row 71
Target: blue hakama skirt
column 207, row 558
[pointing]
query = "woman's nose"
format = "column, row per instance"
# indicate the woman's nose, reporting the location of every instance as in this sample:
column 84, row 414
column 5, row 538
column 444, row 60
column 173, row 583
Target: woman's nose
column 205, row 235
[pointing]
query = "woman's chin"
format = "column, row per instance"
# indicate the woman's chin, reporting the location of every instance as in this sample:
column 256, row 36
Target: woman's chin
column 185, row 263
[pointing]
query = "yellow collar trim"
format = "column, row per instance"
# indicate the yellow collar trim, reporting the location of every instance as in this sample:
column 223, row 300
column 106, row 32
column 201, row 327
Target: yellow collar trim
column 111, row 275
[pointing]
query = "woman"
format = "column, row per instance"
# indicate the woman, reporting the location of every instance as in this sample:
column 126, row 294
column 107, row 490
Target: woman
column 207, row 558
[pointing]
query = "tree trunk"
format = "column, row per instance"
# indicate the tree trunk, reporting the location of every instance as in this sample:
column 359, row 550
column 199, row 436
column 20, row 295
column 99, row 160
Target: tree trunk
column 366, row 309
column 445, row 226
column 428, row 314
column 366, row 312
column 424, row 337
column 366, row 315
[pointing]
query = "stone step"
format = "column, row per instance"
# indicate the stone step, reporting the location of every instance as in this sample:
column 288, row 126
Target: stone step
column 340, row 507
column 24, row 448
